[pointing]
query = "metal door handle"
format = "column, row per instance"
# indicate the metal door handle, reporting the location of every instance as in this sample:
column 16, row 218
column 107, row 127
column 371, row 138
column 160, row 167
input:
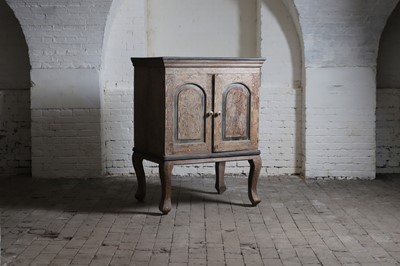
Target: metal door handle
column 217, row 113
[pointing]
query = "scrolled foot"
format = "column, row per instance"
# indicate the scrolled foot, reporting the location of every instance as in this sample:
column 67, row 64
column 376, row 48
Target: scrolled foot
column 254, row 199
column 165, row 206
column 219, row 177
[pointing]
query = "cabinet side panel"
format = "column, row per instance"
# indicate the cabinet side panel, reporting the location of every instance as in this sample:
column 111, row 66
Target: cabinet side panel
column 149, row 110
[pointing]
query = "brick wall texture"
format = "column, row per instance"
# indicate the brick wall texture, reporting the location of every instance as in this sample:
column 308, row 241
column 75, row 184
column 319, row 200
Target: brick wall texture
column 388, row 131
column 66, row 143
column 320, row 114
column 15, row 136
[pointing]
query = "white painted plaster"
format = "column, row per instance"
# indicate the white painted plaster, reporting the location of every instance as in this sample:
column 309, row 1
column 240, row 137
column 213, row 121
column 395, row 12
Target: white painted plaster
column 65, row 88
column 202, row 28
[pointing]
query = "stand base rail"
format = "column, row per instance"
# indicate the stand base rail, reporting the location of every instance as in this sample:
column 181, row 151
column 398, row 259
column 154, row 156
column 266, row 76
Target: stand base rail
column 166, row 167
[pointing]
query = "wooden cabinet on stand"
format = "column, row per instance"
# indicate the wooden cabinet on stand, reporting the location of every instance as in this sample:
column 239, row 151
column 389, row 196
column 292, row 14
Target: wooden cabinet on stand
column 196, row 110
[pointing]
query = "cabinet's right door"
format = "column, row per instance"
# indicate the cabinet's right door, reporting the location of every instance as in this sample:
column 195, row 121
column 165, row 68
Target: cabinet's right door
column 236, row 112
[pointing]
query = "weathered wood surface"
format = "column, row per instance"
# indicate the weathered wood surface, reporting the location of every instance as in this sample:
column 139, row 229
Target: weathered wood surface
column 196, row 110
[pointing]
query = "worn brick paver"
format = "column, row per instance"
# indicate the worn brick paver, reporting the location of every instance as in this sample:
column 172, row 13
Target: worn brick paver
column 99, row 222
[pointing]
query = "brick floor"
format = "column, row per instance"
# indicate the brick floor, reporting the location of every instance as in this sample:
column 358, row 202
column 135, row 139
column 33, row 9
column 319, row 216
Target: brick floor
column 98, row 222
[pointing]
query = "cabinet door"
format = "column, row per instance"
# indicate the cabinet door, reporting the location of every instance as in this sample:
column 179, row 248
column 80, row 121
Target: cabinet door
column 236, row 104
column 188, row 122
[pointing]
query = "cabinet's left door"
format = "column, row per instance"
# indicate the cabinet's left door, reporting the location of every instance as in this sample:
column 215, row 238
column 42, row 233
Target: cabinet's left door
column 188, row 113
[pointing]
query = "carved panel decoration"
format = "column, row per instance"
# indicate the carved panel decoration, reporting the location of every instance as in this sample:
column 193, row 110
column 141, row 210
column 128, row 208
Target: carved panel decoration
column 189, row 113
column 236, row 112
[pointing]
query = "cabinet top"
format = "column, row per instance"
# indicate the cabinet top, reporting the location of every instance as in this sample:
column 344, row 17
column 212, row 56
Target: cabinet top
column 225, row 62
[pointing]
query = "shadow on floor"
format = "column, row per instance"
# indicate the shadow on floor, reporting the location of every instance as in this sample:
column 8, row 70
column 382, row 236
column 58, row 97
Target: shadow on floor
column 103, row 195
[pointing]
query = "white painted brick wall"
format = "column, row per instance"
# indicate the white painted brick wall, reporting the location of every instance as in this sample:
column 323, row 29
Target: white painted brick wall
column 281, row 93
column 125, row 37
column 340, row 123
column 63, row 34
column 388, row 131
column 118, row 131
column 340, row 40
column 280, row 130
column 342, row 32
column 66, row 143
column 68, row 36
column 338, row 36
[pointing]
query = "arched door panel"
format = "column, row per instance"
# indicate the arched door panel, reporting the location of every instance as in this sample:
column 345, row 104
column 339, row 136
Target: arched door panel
column 188, row 125
column 236, row 107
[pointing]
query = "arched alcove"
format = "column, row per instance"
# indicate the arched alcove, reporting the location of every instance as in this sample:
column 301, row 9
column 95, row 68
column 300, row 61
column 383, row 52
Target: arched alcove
column 15, row 136
column 245, row 29
column 388, row 98
column 282, row 92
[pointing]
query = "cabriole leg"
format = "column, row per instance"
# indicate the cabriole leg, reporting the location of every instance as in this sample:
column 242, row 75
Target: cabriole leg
column 141, row 178
column 255, row 168
column 219, row 177
column 165, row 169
